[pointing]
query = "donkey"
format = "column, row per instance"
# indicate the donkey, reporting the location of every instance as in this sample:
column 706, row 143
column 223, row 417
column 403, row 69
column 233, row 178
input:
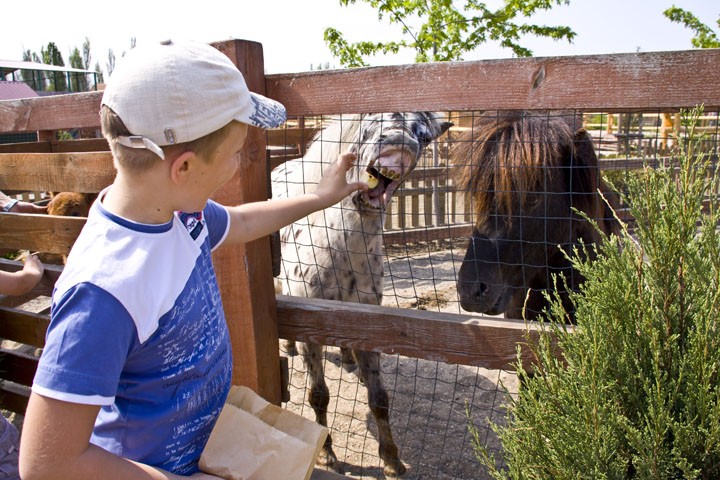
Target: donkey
column 336, row 253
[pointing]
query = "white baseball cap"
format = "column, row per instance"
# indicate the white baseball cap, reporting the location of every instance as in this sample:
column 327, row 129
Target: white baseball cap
column 176, row 92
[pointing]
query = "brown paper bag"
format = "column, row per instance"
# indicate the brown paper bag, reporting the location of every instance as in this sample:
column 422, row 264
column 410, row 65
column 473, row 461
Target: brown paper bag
column 256, row 440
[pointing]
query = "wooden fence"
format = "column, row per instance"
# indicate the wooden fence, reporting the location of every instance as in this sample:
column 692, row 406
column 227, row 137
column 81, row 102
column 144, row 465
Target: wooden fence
column 634, row 82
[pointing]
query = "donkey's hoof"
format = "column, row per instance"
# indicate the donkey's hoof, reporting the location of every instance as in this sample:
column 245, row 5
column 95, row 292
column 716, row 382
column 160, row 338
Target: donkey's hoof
column 330, row 461
column 349, row 367
column 394, row 469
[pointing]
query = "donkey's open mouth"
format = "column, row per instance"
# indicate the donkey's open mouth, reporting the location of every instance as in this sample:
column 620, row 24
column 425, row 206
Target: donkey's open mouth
column 384, row 175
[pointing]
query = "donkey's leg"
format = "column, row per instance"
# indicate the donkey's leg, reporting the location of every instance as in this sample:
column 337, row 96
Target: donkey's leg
column 319, row 397
column 369, row 365
column 288, row 347
column 347, row 360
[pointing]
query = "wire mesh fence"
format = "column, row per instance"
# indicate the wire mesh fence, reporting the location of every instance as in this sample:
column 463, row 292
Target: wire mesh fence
column 431, row 246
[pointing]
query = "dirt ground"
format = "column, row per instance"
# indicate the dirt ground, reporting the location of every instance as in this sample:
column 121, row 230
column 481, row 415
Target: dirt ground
column 431, row 403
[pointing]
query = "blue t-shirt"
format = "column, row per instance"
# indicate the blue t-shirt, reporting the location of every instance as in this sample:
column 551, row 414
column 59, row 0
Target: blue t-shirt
column 137, row 326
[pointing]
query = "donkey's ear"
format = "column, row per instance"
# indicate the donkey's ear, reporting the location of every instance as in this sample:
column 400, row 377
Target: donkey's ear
column 444, row 127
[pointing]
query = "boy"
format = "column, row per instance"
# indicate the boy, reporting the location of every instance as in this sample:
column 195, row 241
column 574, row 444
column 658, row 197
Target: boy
column 136, row 365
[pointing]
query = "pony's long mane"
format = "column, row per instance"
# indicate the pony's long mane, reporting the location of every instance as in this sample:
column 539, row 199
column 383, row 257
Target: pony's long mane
column 505, row 157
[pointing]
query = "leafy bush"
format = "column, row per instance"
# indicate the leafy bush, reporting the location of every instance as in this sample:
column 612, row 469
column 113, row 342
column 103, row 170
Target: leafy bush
column 635, row 394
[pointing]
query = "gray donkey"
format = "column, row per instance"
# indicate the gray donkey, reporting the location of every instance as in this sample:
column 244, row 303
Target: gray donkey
column 336, row 253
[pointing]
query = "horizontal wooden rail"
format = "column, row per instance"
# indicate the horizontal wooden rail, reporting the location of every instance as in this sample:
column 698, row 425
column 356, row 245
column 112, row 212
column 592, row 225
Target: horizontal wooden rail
column 17, row 367
column 426, row 234
column 644, row 81
column 445, row 337
column 23, row 327
column 87, row 172
column 14, row 397
column 55, row 112
column 619, row 82
column 82, row 145
column 39, row 233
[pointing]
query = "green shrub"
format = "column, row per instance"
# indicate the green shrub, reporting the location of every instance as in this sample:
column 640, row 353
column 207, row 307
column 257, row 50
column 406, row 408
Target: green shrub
column 636, row 394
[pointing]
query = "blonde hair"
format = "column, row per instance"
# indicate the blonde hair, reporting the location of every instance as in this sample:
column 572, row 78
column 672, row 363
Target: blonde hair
column 139, row 159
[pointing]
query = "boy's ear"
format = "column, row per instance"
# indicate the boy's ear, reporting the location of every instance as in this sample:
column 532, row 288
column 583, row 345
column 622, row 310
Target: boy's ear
column 180, row 166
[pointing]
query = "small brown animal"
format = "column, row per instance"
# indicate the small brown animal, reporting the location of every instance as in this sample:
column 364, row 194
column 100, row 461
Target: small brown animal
column 67, row 204
column 71, row 204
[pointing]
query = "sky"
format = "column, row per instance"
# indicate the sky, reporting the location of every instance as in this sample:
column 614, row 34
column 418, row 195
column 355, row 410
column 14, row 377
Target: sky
column 291, row 31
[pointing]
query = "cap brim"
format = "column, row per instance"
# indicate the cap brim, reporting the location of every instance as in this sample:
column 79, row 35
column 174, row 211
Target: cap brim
column 263, row 112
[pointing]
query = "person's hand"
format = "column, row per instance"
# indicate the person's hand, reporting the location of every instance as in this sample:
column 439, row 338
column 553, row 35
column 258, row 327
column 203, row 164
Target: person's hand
column 333, row 183
column 27, row 207
column 33, row 268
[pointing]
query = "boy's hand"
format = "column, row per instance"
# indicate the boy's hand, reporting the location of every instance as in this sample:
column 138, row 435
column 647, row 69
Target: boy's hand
column 333, row 183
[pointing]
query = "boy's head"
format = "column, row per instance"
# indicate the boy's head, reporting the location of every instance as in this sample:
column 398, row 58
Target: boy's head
column 175, row 93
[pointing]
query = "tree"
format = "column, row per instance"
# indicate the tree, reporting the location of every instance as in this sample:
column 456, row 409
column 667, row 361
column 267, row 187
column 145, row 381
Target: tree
column 110, row 65
column 78, row 81
column 704, row 35
column 448, row 32
column 28, row 76
column 99, row 73
column 52, row 56
column 86, row 57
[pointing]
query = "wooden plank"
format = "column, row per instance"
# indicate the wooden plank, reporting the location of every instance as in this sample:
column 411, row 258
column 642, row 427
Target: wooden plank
column 87, row 172
column 23, row 327
column 17, row 367
column 82, row 145
column 426, row 234
column 54, row 112
column 445, row 337
column 14, row 397
column 39, row 233
column 618, row 82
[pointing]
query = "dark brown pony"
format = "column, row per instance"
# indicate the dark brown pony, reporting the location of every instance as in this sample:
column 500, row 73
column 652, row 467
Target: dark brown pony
column 526, row 178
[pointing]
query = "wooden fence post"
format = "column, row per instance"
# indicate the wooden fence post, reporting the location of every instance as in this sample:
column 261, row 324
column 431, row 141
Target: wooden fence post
column 245, row 273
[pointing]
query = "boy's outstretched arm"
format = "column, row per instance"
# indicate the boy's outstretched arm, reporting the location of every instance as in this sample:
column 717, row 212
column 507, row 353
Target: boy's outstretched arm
column 55, row 444
column 254, row 220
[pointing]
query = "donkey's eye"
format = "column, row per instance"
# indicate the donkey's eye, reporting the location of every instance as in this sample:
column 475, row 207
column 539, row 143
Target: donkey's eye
column 422, row 134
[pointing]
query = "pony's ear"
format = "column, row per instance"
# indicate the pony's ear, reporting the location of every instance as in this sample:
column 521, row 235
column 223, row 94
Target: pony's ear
column 583, row 164
column 583, row 173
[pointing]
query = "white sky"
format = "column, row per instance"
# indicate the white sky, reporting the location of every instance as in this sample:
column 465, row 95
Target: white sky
column 291, row 31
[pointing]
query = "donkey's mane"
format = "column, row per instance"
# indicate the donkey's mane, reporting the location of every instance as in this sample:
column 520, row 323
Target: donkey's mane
column 506, row 157
column 339, row 136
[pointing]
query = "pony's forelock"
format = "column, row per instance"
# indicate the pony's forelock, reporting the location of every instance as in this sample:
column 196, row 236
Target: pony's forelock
column 502, row 158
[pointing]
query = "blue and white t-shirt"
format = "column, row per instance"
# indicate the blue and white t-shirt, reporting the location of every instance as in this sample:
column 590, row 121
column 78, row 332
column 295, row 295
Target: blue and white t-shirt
column 137, row 326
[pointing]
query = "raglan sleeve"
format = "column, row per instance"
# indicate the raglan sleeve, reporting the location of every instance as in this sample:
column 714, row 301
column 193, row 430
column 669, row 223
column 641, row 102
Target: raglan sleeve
column 217, row 220
column 87, row 344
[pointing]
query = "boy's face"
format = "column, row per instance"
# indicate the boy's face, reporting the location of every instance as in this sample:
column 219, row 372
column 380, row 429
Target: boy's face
column 212, row 173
